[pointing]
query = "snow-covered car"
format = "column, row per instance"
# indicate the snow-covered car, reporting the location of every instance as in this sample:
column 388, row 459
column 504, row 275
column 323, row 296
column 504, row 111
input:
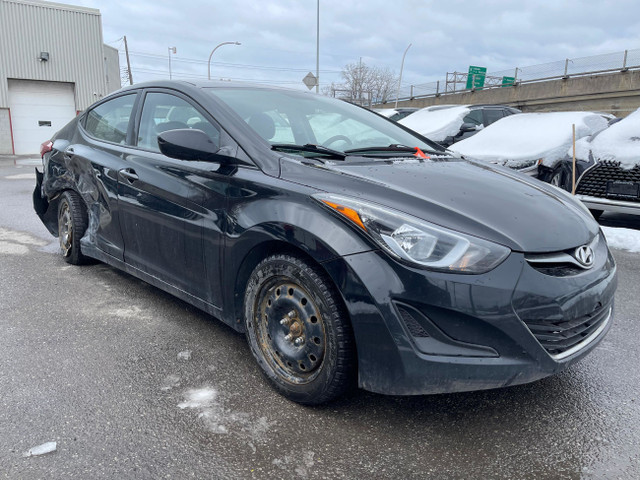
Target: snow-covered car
column 448, row 124
column 395, row 114
column 607, row 168
column 526, row 140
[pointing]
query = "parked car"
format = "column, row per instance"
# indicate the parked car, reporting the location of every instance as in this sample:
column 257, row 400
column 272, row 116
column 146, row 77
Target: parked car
column 345, row 247
column 526, row 140
column 395, row 114
column 448, row 124
column 607, row 168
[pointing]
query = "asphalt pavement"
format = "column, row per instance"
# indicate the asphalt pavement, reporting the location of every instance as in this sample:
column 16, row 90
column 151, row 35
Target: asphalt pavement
column 133, row 383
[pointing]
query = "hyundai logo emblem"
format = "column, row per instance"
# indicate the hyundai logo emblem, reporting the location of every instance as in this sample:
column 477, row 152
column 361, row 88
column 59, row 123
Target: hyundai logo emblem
column 584, row 255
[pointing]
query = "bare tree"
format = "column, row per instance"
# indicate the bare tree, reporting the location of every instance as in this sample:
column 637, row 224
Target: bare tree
column 363, row 83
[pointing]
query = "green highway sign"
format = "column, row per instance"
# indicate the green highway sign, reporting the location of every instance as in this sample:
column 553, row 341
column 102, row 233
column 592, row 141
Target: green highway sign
column 475, row 77
column 508, row 81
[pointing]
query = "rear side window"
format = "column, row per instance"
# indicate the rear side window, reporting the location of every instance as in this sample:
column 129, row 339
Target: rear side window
column 492, row 115
column 109, row 121
column 162, row 112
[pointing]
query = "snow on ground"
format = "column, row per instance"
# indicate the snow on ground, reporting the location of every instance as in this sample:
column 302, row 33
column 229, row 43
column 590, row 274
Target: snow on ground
column 623, row 238
column 620, row 142
column 210, row 408
column 437, row 124
column 524, row 137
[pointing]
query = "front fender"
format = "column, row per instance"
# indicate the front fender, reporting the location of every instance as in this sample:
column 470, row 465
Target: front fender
column 304, row 227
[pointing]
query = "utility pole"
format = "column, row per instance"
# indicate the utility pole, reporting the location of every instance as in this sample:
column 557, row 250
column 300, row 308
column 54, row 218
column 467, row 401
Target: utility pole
column 318, row 49
column 126, row 52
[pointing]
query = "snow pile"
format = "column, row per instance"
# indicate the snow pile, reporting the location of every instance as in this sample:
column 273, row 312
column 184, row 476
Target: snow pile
column 519, row 139
column 619, row 142
column 437, row 124
column 623, row 238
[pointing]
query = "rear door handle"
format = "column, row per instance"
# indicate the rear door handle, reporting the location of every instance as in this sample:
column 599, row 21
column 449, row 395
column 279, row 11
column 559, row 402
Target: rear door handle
column 129, row 174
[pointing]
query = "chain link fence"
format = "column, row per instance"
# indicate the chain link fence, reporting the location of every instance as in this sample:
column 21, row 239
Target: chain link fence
column 570, row 67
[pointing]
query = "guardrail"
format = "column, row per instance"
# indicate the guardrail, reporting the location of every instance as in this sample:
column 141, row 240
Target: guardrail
column 561, row 69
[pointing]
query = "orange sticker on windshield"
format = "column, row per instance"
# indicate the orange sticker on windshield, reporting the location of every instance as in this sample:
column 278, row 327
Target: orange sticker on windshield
column 419, row 153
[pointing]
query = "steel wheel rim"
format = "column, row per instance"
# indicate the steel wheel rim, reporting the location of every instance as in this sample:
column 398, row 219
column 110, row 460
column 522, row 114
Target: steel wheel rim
column 65, row 229
column 290, row 330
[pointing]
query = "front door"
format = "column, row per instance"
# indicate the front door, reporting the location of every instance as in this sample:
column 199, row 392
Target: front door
column 160, row 198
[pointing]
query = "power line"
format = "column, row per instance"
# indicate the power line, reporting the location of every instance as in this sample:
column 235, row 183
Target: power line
column 226, row 64
column 196, row 76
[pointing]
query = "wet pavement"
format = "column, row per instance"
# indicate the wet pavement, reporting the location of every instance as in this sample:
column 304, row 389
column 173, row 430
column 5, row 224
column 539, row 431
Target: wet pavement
column 132, row 383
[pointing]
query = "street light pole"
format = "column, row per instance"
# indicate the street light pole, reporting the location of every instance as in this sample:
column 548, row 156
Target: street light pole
column 400, row 79
column 211, row 55
column 174, row 51
column 318, row 49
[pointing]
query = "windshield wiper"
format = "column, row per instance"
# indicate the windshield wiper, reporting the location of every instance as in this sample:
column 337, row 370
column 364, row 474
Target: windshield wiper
column 389, row 148
column 309, row 147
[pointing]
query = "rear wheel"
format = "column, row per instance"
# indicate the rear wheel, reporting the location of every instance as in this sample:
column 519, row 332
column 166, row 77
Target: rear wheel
column 298, row 330
column 72, row 223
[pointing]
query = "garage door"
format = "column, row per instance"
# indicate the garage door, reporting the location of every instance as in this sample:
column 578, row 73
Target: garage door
column 38, row 110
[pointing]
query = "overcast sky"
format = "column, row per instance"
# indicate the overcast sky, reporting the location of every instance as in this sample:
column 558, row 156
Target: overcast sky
column 279, row 37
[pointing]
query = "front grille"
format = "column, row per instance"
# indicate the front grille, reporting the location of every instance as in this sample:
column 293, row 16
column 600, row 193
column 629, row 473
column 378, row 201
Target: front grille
column 594, row 182
column 558, row 336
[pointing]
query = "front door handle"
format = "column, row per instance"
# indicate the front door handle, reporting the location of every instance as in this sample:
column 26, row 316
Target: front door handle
column 69, row 152
column 129, row 174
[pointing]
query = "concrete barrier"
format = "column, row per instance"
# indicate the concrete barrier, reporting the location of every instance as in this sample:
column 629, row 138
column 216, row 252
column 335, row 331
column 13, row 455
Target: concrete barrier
column 616, row 93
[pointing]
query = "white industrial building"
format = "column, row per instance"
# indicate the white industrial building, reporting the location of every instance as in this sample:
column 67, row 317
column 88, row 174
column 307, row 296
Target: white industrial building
column 53, row 64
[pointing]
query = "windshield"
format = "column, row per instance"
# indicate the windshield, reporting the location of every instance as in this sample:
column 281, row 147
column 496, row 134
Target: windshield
column 297, row 118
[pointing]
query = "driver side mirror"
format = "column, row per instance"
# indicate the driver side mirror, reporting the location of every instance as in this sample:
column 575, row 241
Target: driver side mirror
column 188, row 144
column 468, row 127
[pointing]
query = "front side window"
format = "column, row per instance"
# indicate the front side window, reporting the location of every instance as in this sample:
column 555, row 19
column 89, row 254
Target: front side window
column 162, row 112
column 109, row 121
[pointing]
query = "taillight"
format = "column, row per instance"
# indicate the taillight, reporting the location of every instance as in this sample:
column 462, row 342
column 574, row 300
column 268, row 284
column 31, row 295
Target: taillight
column 45, row 147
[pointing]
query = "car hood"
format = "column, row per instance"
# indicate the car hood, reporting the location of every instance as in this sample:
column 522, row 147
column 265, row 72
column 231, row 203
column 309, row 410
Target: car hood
column 490, row 202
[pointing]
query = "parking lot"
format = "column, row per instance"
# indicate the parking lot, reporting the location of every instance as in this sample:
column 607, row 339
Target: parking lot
column 132, row 383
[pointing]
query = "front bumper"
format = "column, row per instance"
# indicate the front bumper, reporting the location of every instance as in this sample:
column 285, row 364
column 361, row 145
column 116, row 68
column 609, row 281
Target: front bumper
column 420, row 332
column 619, row 206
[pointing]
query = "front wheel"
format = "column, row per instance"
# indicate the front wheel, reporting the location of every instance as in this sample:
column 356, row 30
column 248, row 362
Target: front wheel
column 298, row 330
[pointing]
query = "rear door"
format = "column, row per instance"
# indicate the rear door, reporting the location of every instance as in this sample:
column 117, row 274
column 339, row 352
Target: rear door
column 95, row 155
column 165, row 203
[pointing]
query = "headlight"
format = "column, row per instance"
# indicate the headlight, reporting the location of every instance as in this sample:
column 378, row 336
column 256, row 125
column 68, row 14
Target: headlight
column 417, row 241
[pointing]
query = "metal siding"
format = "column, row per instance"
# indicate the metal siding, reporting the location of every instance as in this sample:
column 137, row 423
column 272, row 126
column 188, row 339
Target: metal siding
column 71, row 35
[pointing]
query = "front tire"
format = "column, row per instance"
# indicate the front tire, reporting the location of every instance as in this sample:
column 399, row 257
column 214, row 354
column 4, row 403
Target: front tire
column 72, row 223
column 298, row 330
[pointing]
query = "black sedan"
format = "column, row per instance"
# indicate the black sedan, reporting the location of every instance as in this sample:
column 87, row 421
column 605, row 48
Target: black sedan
column 346, row 247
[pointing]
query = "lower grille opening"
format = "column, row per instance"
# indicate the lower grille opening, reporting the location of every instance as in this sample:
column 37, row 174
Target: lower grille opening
column 560, row 336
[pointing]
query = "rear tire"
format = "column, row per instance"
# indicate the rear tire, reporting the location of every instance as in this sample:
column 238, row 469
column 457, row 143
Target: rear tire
column 72, row 223
column 298, row 330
